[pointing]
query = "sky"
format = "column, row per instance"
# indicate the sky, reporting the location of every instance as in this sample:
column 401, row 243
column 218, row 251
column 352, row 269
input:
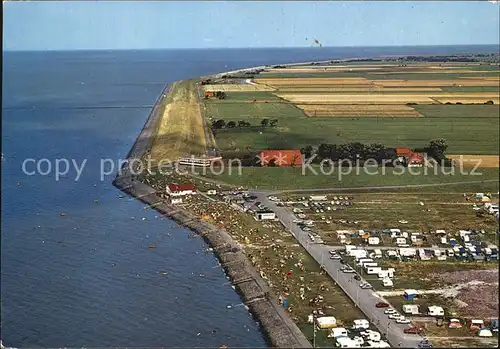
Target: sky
column 80, row 25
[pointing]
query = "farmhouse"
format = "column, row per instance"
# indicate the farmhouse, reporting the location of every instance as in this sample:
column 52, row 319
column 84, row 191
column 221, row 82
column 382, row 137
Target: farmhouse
column 281, row 158
column 181, row 190
column 408, row 156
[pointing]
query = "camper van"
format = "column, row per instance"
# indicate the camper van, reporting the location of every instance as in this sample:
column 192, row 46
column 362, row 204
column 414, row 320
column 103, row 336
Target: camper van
column 435, row 311
column 346, row 342
column 362, row 260
column 373, row 270
column 361, row 324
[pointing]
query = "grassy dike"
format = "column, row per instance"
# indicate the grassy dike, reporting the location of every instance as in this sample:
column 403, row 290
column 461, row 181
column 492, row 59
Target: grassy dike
column 276, row 324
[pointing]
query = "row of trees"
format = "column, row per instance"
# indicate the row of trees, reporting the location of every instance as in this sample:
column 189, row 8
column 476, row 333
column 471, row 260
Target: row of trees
column 358, row 151
column 219, row 124
column 350, row 151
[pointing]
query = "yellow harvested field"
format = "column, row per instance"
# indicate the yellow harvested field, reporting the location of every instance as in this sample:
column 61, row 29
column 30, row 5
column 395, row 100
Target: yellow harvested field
column 489, row 78
column 321, row 69
column 351, row 110
column 431, row 71
column 181, row 131
column 237, row 88
column 356, row 98
column 435, row 82
column 357, row 89
column 312, row 81
column 484, row 161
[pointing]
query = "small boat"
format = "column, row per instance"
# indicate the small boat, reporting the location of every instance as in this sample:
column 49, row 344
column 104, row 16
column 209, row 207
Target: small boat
column 152, row 246
column 164, row 272
column 63, row 214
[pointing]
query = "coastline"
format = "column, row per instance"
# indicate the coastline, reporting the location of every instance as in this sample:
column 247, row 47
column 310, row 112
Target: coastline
column 277, row 326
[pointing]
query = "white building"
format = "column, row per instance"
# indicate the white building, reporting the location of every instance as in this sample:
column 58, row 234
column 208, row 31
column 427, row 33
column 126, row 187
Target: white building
column 175, row 200
column 264, row 215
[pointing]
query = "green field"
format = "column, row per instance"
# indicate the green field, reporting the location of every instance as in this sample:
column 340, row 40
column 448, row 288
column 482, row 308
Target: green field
column 468, row 129
column 281, row 178
column 460, row 111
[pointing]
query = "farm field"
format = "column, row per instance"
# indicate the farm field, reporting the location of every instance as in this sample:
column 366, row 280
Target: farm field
column 391, row 98
column 482, row 161
column 360, row 102
column 296, row 130
column 349, row 110
column 181, row 129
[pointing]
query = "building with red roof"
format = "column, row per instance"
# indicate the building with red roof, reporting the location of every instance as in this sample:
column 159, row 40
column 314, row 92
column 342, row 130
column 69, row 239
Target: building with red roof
column 181, row 189
column 285, row 157
column 415, row 160
column 403, row 151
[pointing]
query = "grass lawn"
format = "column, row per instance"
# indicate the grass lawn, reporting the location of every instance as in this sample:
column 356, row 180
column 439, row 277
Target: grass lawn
column 281, row 178
column 460, row 111
column 405, row 275
column 448, row 211
column 180, row 131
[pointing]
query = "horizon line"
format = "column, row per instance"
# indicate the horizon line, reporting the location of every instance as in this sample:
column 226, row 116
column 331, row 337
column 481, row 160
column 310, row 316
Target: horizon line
column 239, row 48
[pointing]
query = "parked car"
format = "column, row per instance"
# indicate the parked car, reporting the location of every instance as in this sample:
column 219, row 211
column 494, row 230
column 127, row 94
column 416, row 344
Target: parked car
column 390, row 311
column 357, row 277
column 413, row 330
column 332, row 252
column 366, row 286
column 394, row 316
column 381, row 305
column 349, row 270
column 403, row 320
column 335, row 256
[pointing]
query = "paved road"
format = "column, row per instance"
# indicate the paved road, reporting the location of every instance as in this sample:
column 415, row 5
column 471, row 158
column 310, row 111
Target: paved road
column 364, row 299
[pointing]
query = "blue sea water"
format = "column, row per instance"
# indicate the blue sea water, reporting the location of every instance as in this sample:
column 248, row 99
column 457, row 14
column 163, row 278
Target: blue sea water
column 88, row 278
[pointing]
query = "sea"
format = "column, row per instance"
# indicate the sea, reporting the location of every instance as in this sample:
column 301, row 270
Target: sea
column 76, row 270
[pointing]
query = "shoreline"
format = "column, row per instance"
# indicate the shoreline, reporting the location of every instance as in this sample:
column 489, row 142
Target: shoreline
column 277, row 326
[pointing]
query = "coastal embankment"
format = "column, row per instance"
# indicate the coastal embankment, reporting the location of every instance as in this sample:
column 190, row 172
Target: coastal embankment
column 276, row 324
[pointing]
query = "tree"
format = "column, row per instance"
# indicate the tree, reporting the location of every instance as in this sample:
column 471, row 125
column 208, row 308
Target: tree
column 264, row 122
column 231, row 124
column 218, row 124
column 273, row 122
column 436, row 149
column 307, row 151
column 241, row 123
